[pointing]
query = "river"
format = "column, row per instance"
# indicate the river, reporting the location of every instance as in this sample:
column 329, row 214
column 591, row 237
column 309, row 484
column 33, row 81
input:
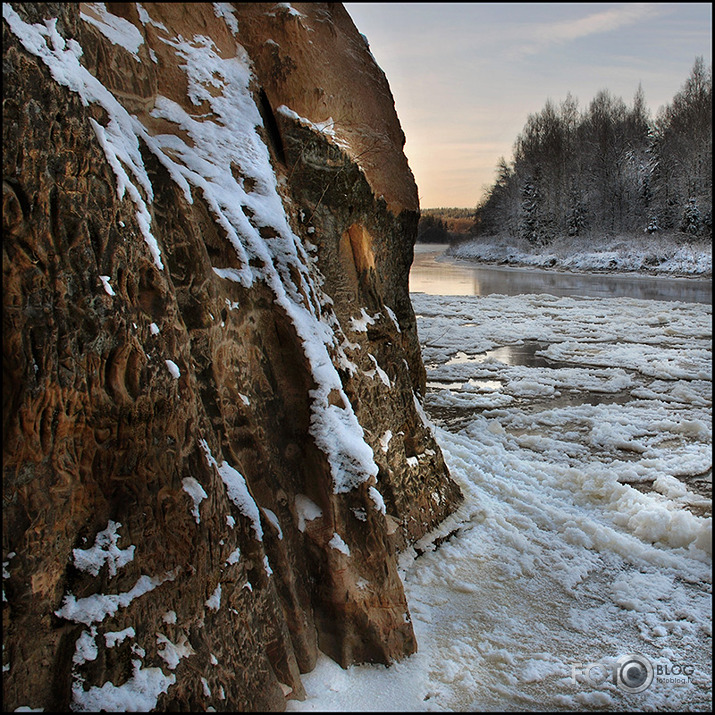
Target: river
column 576, row 417
column 509, row 339
column 436, row 274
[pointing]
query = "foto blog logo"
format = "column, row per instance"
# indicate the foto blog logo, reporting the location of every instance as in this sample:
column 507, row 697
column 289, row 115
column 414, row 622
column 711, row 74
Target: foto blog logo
column 631, row 673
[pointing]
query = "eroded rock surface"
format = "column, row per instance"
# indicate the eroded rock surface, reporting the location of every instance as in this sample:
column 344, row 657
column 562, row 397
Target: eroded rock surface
column 212, row 433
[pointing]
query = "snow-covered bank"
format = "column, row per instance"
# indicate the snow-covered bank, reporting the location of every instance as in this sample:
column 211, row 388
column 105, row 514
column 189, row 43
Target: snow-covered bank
column 653, row 254
column 585, row 535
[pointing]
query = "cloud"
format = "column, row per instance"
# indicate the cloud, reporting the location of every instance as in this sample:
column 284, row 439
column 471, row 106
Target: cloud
column 543, row 35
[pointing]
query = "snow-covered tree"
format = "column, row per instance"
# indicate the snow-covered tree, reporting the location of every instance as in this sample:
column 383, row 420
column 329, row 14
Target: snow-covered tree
column 608, row 169
column 682, row 147
column 692, row 220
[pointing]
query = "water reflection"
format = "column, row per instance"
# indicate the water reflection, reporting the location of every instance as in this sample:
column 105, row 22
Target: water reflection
column 522, row 354
column 436, row 274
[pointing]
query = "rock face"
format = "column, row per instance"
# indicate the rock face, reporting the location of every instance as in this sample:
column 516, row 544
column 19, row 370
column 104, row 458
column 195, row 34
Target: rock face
column 213, row 444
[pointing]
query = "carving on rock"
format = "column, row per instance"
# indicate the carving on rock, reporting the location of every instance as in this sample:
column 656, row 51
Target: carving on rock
column 211, row 372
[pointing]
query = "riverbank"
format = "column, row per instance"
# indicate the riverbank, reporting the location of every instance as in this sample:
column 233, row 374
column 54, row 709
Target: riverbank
column 576, row 416
column 579, row 430
column 647, row 254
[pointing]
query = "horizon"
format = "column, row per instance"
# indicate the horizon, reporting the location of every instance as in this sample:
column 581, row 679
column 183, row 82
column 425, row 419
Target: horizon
column 465, row 76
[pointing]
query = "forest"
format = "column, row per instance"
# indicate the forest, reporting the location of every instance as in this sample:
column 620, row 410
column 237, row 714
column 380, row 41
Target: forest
column 445, row 225
column 608, row 169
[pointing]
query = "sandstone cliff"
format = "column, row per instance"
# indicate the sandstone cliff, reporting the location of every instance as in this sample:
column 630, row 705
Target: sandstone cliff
column 213, row 443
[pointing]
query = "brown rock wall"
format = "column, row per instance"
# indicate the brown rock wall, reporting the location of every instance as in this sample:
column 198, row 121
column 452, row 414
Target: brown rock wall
column 304, row 58
column 110, row 450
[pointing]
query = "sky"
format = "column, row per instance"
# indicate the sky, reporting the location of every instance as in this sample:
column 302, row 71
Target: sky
column 465, row 76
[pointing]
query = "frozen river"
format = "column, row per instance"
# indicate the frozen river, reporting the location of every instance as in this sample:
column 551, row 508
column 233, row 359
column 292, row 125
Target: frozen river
column 579, row 428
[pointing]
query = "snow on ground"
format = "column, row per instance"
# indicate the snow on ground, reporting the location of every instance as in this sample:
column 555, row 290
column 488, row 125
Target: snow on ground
column 580, row 433
column 660, row 254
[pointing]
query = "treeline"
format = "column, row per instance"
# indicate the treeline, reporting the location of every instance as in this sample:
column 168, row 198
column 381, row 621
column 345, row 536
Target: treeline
column 449, row 213
column 444, row 225
column 608, row 169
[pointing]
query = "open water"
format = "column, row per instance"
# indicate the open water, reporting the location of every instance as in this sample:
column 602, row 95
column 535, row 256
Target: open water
column 436, row 274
